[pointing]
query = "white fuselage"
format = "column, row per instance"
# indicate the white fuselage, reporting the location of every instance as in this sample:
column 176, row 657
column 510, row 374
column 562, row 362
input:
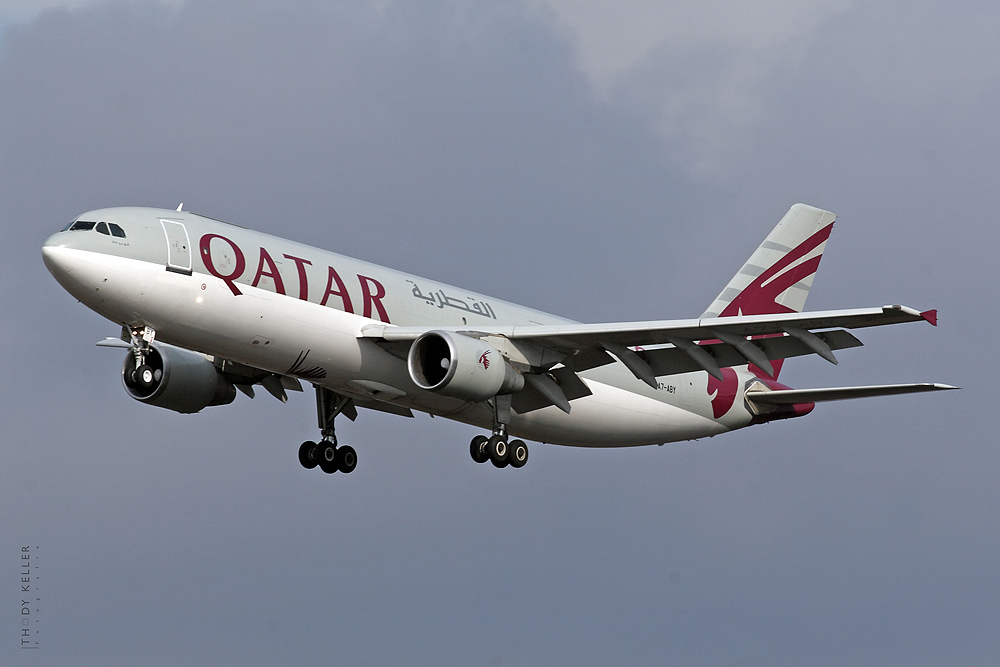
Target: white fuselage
column 296, row 310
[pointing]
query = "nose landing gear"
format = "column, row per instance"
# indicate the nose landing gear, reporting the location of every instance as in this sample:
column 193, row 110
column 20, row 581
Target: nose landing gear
column 143, row 375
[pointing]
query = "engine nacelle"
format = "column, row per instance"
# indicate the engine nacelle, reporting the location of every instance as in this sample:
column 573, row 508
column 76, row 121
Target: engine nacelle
column 183, row 381
column 461, row 367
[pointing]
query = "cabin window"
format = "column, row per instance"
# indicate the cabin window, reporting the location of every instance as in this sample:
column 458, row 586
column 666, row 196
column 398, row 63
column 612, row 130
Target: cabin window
column 102, row 228
column 82, row 226
column 117, row 231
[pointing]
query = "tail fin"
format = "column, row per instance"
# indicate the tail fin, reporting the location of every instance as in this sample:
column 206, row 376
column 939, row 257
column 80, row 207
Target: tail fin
column 778, row 275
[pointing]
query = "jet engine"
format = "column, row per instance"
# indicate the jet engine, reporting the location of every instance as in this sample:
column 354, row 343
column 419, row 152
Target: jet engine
column 461, row 367
column 177, row 380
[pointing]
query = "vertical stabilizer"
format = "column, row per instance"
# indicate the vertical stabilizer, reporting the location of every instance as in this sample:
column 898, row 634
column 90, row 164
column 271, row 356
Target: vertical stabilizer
column 778, row 275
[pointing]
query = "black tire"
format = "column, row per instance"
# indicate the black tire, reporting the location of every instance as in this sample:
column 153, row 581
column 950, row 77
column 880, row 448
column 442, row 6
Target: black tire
column 478, row 449
column 518, row 454
column 144, row 377
column 347, row 459
column 497, row 449
column 326, row 455
column 306, row 455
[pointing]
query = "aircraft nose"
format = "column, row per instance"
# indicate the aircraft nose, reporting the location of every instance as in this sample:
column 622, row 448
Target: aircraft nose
column 52, row 241
column 55, row 256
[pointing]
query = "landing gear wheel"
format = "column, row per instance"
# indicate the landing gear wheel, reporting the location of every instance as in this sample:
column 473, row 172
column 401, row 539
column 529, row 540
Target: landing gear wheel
column 326, row 454
column 347, row 459
column 478, row 449
column 497, row 449
column 306, row 455
column 518, row 454
column 143, row 376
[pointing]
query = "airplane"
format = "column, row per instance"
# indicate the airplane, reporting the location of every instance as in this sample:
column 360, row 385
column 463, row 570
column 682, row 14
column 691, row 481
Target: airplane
column 208, row 308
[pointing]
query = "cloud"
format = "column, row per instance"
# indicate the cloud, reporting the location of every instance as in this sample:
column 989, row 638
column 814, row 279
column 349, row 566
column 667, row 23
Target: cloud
column 26, row 10
column 696, row 71
column 612, row 39
column 384, row 115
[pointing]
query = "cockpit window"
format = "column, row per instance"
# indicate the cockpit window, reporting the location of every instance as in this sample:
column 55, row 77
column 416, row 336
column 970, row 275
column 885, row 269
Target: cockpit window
column 106, row 228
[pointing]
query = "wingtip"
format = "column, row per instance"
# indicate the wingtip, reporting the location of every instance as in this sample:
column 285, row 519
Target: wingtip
column 930, row 316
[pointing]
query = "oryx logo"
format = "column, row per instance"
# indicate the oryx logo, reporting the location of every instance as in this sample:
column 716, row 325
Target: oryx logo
column 484, row 360
column 760, row 297
column 723, row 392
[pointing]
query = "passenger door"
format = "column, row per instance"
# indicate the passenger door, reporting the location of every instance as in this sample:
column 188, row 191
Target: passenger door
column 178, row 247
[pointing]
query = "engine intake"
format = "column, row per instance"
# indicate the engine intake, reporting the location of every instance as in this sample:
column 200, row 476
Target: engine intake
column 461, row 367
column 183, row 381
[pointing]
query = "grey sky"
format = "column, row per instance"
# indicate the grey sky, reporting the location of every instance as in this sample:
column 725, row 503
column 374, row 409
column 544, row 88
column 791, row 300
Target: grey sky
column 600, row 166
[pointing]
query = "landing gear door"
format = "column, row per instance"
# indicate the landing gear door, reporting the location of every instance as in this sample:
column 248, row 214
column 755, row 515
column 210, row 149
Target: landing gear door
column 178, row 247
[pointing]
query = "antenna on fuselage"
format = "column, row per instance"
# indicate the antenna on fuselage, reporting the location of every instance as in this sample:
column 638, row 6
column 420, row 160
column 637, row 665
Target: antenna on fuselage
column 180, row 206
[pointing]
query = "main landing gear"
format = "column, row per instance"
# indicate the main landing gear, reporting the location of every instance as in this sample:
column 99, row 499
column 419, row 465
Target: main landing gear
column 496, row 449
column 330, row 458
column 326, row 454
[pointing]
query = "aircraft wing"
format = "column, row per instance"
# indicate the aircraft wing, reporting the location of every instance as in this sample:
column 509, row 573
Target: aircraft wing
column 698, row 344
column 576, row 336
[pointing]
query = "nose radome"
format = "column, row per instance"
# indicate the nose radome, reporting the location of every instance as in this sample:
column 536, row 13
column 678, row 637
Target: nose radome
column 55, row 256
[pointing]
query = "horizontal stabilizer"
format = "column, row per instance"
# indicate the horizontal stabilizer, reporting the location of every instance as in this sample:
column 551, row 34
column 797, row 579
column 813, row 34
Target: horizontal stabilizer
column 793, row 396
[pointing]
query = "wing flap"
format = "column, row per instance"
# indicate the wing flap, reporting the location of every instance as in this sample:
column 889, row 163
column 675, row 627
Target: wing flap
column 673, row 360
column 382, row 406
column 534, row 396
